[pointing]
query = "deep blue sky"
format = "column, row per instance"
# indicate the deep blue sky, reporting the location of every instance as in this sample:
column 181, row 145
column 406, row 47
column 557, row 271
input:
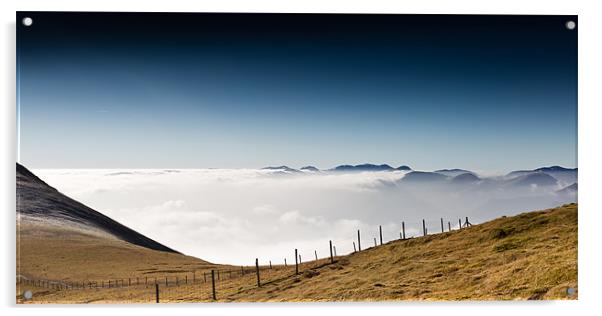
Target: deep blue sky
column 118, row 90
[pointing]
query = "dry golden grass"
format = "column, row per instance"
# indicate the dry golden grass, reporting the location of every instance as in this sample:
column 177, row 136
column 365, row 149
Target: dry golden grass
column 529, row 256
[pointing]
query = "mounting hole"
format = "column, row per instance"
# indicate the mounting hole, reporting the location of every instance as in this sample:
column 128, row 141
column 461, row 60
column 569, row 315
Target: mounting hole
column 27, row 295
column 27, row 21
column 570, row 291
column 571, row 25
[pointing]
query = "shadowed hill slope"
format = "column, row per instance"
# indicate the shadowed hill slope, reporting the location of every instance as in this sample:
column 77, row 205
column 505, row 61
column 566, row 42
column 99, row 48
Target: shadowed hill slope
column 37, row 201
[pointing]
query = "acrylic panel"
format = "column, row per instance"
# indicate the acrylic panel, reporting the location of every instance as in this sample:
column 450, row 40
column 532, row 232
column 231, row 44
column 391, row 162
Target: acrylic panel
column 244, row 157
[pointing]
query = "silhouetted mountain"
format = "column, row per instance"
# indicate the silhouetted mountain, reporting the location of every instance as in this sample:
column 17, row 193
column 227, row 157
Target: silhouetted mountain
column 467, row 177
column 537, row 178
column 556, row 169
column 568, row 189
column 421, row 176
column 452, row 172
column 43, row 203
column 403, row 168
column 563, row 175
column 363, row 167
column 281, row 168
column 310, row 168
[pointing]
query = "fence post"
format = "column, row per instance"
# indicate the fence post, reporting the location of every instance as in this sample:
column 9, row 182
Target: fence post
column 270, row 264
column 335, row 250
column 375, row 242
column 331, row 257
column 380, row 231
column 299, row 258
column 157, row 292
column 354, row 250
column 257, row 270
column 166, row 281
column 403, row 229
column 449, row 226
column 296, row 263
column 285, row 262
column 423, row 228
column 316, row 254
column 359, row 243
column 442, row 224
column 213, row 283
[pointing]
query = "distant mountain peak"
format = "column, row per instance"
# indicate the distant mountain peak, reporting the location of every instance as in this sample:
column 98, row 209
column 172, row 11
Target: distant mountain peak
column 363, row 167
column 467, row 177
column 555, row 169
column 404, row 168
column 423, row 176
column 536, row 178
column 453, row 172
column 309, row 168
column 281, row 168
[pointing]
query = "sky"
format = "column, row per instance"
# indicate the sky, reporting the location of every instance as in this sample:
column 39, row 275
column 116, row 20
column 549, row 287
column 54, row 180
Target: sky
column 118, row 90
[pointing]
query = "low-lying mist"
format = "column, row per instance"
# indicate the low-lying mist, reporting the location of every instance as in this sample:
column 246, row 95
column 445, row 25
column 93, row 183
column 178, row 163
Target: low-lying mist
column 235, row 216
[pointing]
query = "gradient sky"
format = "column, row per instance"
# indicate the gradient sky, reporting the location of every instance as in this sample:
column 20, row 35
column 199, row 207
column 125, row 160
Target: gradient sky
column 117, row 90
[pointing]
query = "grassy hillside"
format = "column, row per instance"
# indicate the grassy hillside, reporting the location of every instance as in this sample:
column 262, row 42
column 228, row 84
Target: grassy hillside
column 529, row 256
column 57, row 253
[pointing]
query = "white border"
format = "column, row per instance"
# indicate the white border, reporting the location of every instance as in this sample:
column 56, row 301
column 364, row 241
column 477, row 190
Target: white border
column 590, row 218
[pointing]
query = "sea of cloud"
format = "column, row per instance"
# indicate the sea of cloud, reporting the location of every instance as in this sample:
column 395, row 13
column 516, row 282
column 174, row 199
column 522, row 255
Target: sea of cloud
column 237, row 215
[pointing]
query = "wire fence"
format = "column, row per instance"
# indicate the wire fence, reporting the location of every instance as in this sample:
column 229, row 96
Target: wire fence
column 195, row 286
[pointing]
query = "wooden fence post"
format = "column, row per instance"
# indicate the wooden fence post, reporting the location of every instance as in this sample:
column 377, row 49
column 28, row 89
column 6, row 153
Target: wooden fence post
column 335, row 250
column 354, row 250
column 375, row 242
column 403, row 229
column 442, row 225
column 270, row 264
column 423, row 228
column 459, row 223
column 213, row 284
column 449, row 226
column 299, row 258
column 296, row 263
column 359, row 243
column 257, row 271
column 380, row 231
column 331, row 257
column 157, row 292
column 285, row 262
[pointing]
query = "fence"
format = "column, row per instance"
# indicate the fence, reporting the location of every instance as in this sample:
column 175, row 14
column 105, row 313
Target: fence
column 194, row 286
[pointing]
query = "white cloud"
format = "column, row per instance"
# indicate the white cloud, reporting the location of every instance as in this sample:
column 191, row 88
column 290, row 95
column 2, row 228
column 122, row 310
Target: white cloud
column 234, row 216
